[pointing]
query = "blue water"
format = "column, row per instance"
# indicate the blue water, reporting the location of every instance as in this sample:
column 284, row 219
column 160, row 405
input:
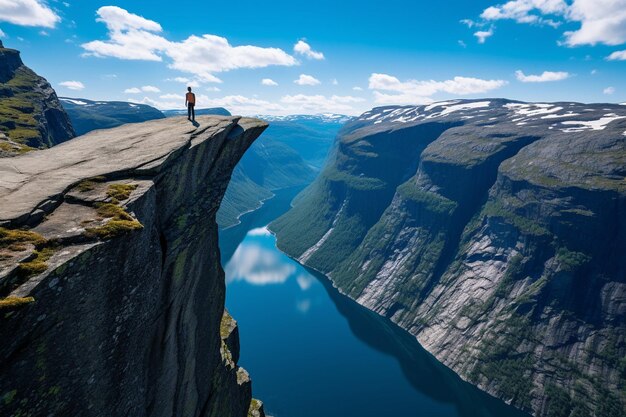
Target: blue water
column 314, row 352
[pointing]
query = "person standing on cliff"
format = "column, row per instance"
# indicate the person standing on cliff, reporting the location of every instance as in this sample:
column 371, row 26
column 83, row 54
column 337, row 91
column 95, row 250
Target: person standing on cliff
column 190, row 102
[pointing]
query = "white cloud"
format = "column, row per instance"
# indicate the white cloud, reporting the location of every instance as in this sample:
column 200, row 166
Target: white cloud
column 601, row 21
column 335, row 82
column 239, row 104
column 469, row 23
column 304, row 48
column 269, row 82
column 2, row 34
column 44, row 33
column 482, row 35
column 594, row 71
column 137, row 45
column 172, row 97
column 169, row 103
column 399, row 99
column 289, row 104
column 546, row 76
column 609, row 90
column 28, row 13
column 462, row 44
column 134, row 37
column 420, row 92
column 73, row 85
column 150, row 89
column 617, row 56
column 526, row 11
column 357, row 88
column 186, row 81
column 213, row 89
column 305, row 79
column 117, row 19
column 145, row 89
column 208, row 54
column 301, row 103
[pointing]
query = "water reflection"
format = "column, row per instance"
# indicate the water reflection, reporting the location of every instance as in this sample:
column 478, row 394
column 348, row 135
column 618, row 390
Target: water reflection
column 420, row 368
column 257, row 262
column 273, row 208
column 305, row 281
column 314, row 352
column 257, row 265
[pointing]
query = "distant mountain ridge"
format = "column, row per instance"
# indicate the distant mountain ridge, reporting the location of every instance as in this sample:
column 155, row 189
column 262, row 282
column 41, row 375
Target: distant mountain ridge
column 31, row 115
column 493, row 231
column 324, row 117
column 88, row 115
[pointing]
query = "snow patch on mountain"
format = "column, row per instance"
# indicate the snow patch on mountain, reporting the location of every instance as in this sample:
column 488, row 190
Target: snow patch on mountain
column 599, row 124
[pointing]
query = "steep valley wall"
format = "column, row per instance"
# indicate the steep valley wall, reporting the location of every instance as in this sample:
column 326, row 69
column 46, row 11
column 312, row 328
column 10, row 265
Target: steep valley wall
column 494, row 231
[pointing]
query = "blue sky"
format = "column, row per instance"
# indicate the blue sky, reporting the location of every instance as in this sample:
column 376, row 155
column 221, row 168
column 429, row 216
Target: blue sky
column 351, row 55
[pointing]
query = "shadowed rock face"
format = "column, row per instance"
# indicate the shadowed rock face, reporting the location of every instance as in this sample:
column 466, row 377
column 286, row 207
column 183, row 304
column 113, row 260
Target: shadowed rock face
column 491, row 230
column 31, row 115
column 122, row 261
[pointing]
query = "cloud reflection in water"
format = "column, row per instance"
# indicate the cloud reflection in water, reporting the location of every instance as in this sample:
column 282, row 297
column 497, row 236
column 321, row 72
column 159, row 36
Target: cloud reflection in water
column 303, row 306
column 257, row 262
column 257, row 266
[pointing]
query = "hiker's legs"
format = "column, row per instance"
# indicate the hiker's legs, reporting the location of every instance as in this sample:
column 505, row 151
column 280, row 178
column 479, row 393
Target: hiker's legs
column 193, row 112
column 189, row 107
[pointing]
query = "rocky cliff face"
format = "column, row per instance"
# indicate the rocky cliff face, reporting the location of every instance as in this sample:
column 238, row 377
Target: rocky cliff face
column 112, row 290
column 494, row 232
column 31, row 115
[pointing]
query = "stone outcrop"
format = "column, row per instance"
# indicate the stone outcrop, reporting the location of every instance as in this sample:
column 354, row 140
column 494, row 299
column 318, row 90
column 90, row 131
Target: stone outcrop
column 30, row 112
column 491, row 230
column 112, row 292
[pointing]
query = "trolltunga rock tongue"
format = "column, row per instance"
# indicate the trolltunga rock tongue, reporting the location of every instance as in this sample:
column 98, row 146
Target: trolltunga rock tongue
column 112, row 302
column 37, row 179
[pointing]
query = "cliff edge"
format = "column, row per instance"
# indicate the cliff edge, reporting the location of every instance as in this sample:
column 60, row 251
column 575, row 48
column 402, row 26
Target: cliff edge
column 112, row 293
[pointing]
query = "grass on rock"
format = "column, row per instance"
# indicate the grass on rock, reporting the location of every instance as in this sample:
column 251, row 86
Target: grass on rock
column 38, row 264
column 120, row 222
column 15, row 239
column 120, row 192
column 89, row 184
column 13, row 302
